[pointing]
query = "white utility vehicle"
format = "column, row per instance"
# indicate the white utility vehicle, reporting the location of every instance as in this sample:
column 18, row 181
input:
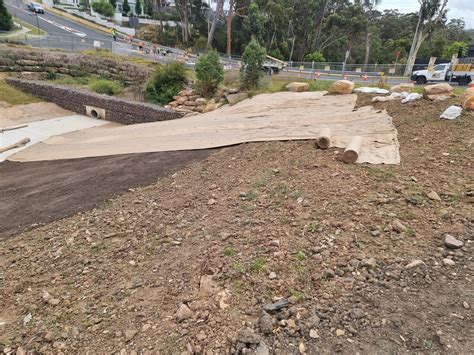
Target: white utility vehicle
column 460, row 71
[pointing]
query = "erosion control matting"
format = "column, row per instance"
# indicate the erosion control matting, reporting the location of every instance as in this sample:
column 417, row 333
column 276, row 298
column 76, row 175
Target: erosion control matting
column 40, row 192
column 266, row 117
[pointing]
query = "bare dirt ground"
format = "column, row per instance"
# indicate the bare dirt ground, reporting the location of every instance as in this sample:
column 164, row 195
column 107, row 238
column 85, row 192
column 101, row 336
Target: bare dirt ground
column 353, row 255
column 40, row 192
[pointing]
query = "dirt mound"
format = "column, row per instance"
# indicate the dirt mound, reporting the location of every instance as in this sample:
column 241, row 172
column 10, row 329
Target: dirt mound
column 266, row 247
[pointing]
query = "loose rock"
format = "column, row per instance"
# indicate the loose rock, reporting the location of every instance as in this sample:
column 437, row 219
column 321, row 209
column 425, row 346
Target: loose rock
column 248, row 336
column 183, row 313
column 452, row 243
column 415, row 263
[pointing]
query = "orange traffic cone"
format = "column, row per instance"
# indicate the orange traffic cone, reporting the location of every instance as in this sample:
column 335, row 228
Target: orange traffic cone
column 366, row 78
column 318, row 74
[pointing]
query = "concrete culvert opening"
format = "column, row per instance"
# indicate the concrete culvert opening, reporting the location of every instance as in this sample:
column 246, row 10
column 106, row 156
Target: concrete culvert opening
column 94, row 114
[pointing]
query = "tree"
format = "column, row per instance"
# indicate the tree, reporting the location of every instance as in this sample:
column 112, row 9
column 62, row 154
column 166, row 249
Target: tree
column 103, row 7
column 217, row 13
column 432, row 13
column 252, row 68
column 209, row 73
column 165, row 83
column 138, row 8
column 369, row 9
column 254, row 23
column 6, row 23
column 148, row 8
column 113, row 3
column 183, row 8
column 315, row 57
column 125, row 7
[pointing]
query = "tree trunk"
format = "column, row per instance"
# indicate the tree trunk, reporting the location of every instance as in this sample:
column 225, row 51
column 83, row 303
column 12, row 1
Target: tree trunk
column 210, row 37
column 367, row 49
column 318, row 34
column 229, row 27
column 411, row 60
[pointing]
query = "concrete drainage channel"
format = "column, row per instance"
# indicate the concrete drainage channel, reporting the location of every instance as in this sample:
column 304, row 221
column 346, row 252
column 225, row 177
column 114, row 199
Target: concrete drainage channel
column 16, row 138
column 95, row 105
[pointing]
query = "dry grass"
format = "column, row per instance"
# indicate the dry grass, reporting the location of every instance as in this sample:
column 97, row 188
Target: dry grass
column 12, row 96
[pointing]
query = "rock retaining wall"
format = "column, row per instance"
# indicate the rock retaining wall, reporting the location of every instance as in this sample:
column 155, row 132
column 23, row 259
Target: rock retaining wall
column 117, row 110
column 17, row 59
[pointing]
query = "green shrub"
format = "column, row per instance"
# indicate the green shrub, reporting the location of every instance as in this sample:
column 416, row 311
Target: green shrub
column 167, row 81
column 103, row 7
column 6, row 23
column 209, row 73
column 252, row 68
column 103, row 86
column 315, row 57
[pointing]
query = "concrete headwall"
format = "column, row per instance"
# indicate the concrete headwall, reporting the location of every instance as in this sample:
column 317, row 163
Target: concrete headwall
column 116, row 109
column 19, row 59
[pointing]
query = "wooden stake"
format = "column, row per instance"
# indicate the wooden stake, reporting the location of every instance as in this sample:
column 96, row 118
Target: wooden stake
column 15, row 145
column 351, row 154
column 323, row 140
column 11, row 128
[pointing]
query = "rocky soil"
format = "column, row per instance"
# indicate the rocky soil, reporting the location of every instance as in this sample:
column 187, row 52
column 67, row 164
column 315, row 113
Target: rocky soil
column 263, row 248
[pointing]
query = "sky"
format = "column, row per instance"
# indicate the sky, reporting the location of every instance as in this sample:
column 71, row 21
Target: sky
column 463, row 9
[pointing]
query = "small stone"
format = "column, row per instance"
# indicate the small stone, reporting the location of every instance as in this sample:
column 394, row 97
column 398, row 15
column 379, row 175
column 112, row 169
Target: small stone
column 183, row 313
column 46, row 296
column 48, row 336
column 415, row 263
column 452, row 243
column 211, row 202
column 275, row 243
column 466, row 305
column 27, row 319
column 272, row 275
column 290, row 323
column 340, row 332
column 357, row 313
column 248, row 336
column 270, row 307
column 313, row 334
column 432, row 195
column 262, row 349
column 302, row 348
column 329, row 274
column 266, row 323
column 398, row 226
column 20, row 351
column 201, row 336
column 53, row 301
column 369, row 263
column 449, row 262
column 375, row 233
column 59, row 345
column 130, row 334
column 146, row 327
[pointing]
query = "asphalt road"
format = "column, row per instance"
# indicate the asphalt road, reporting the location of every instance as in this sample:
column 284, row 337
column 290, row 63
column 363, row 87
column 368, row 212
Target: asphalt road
column 62, row 33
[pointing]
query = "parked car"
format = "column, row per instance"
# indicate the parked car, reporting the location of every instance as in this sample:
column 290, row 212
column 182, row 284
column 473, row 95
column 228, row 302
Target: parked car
column 36, row 8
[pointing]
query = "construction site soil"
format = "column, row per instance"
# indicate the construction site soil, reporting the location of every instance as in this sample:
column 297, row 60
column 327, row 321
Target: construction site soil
column 259, row 248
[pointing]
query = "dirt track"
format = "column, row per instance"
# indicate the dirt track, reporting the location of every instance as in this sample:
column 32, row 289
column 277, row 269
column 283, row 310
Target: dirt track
column 41, row 192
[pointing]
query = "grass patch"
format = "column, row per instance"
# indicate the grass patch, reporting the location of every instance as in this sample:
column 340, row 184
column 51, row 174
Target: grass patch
column 383, row 175
column 107, row 87
column 12, row 96
column 258, row 265
column 229, row 251
column 313, row 227
column 102, row 53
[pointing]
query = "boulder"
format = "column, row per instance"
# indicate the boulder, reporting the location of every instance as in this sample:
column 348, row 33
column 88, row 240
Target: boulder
column 468, row 92
column 406, row 87
column 234, row 98
column 342, row 87
column 468, row 103
column 200, row 101
column 297, row 87
column 431, row 92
